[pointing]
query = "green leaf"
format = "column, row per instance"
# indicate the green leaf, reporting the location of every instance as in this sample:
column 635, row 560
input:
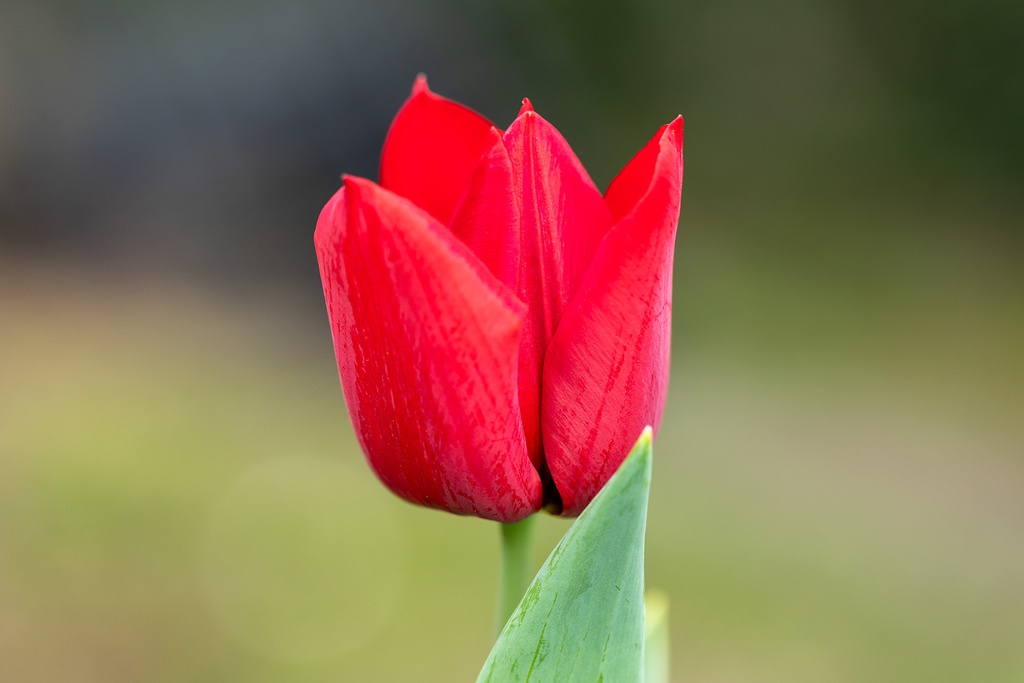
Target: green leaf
column 582, row 618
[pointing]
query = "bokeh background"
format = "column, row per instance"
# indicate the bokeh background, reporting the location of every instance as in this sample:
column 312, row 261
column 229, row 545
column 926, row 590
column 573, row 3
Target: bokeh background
column 839, row 490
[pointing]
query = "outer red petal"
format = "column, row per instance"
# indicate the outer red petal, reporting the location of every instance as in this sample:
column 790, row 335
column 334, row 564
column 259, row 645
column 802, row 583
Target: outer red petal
column 606, row 369
column 431, row 150
column 427, row 343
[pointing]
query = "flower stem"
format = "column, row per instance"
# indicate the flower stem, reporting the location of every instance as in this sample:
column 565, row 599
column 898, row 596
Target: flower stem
column 515, row 576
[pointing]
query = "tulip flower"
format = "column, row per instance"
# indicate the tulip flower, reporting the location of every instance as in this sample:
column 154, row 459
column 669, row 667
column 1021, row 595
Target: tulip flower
column 501, row 328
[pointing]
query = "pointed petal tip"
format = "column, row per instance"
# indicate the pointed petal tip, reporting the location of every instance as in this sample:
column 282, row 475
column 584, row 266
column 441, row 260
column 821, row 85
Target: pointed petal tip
column 527, row 107
column 675, row 129
column 420, row 86
column 431, row 149
column 359, row 191
column 352, row 184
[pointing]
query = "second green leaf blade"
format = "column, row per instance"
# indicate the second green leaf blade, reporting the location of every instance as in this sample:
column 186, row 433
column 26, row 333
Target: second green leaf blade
column 582, row 619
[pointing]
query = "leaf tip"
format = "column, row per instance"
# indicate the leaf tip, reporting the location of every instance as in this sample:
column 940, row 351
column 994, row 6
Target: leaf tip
column 641, row 455
column 647, row 436
column 644, row 446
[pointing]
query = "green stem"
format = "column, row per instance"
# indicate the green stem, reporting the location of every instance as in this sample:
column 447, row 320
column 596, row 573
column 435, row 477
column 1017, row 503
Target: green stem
column 515, row 567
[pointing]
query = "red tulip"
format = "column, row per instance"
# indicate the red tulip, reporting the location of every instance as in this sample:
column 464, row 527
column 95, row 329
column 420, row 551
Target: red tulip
column 501, row 329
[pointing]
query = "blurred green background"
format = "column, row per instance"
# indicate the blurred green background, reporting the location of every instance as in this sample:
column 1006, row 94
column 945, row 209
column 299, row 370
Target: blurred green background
column 839, row 479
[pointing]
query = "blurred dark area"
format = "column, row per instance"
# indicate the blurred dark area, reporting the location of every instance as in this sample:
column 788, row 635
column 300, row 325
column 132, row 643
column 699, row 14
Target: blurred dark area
column 203, row 138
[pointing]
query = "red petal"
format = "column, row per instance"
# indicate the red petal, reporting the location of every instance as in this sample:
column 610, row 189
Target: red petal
column 563, row 215
column 427, row 343
column 488, row 222
column 562, row 219
column 431, row 150
column 606, row 369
